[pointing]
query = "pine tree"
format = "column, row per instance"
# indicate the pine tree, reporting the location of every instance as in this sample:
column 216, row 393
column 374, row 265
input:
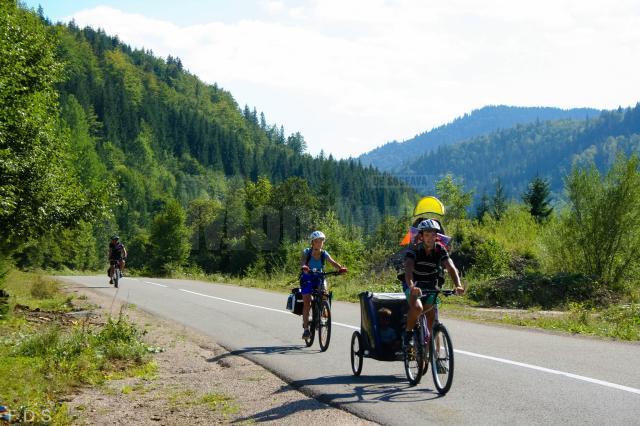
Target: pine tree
column 537, row 197
column 499, row 201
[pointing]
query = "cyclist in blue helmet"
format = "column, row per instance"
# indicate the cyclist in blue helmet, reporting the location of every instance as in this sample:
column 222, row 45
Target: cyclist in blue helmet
column 423, row 268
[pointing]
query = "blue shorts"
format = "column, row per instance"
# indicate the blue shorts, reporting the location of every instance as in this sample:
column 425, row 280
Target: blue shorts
column 310, row 282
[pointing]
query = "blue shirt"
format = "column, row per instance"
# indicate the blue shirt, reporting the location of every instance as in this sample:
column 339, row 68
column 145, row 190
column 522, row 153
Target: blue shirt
column 315, row 264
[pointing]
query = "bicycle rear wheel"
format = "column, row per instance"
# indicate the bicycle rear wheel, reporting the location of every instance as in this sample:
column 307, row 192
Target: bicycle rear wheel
column 324, row 326
column 414, row 356
column 312, row 325
column 441, row 359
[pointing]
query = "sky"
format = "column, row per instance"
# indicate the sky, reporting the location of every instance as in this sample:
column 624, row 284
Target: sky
column 351, row 75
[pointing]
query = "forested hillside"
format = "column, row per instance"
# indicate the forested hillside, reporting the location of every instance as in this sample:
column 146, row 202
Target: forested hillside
column 147, row 136
column 392, row 156
column 546, row 148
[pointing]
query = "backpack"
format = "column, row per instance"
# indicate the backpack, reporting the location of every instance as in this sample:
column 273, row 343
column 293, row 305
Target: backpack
column 323, row 257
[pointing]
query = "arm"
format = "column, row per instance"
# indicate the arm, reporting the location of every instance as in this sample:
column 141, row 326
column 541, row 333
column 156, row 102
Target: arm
column 303, row 261
column 409, row 265
column 124, row 252
column 333, row 262
column 453, row 273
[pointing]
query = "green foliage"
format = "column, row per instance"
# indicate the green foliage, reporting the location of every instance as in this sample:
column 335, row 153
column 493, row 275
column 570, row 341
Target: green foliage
column 498, row 202
column 169, row 239
column 491, row 259
column 537, row 199
column 599, row 234
column 38, row 188
column 454, row 198
column 536, row 290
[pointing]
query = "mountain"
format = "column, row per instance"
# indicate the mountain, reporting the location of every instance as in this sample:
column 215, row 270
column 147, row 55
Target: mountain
column 160, row 131
column 516, row 155
column 391, row 156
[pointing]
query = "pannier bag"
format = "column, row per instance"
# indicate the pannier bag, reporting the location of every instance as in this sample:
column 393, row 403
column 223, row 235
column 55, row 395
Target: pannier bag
column 294, row 301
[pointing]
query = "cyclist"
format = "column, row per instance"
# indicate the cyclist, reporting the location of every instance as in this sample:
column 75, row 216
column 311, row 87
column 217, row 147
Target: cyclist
column 423, row 271
column 313, row 259
column 117, row 253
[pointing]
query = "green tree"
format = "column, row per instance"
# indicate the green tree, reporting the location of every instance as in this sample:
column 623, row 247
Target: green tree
column 537, row 198
column 499, row 201
column 169, row 239
column 201, row 213
column 600, row 236
column 38, row 189
column 453, row 197
column 484, row 207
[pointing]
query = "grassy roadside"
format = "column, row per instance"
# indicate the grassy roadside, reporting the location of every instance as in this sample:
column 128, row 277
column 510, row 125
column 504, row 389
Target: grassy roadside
column 46, row 351
column 616, row 321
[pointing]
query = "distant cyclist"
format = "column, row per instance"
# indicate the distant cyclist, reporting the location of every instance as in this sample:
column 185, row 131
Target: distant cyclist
column 313, row 259
column 117, row 254
column 423, row 271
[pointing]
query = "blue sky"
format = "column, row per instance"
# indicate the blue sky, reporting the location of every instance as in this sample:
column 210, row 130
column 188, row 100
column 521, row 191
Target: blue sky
column 351, row 75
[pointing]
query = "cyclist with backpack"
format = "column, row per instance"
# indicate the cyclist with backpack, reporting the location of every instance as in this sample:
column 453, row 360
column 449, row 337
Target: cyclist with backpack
column 423, row 270
column 117, row 254
column 313, row 259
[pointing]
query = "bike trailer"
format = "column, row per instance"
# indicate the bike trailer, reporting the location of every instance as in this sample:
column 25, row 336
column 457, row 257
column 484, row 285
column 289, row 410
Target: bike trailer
column 370, row 303
column 294, row 301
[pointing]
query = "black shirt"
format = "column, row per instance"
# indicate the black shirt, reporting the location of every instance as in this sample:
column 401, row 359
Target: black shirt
column 427, row 270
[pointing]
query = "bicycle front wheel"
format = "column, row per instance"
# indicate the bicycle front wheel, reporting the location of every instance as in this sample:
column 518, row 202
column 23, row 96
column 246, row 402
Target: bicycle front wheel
column 441, row 359
column 324, row 326
column 116, row 277
column 414, row 356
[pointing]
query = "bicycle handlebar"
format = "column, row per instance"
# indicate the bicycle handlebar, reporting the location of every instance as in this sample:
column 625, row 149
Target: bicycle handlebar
column 323, row 274
column 447, row 293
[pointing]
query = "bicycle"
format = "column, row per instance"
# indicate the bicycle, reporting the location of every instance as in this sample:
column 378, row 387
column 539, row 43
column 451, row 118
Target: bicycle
column 436, row 348
column 320, row 314
column 117, row 273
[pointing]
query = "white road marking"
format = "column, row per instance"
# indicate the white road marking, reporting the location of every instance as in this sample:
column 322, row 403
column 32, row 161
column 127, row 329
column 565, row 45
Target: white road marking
column 551, row 371
column 472, row 354
column 159, row 285
column 237, row 303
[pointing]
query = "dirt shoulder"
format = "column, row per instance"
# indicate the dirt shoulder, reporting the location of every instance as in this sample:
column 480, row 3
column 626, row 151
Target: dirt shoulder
column 196, row 382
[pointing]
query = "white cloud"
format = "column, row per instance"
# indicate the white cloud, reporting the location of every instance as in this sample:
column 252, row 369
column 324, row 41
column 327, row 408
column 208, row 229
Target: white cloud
column 351, row 75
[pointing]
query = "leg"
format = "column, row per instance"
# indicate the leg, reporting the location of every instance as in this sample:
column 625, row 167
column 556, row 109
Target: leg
column 415, row 308
column 306, row 298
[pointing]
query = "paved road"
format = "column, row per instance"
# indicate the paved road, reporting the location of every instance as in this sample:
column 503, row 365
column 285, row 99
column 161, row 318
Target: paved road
column 503, row 375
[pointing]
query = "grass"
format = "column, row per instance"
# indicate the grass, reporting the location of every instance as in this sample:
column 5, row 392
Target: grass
column 617, row 321
column 219, row 402
column 46, row 361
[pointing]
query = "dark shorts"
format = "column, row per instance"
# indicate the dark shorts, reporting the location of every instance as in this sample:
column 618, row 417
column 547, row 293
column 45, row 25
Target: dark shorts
column 429, row 300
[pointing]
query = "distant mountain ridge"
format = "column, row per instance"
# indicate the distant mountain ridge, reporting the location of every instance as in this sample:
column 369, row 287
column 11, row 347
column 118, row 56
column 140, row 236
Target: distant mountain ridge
column 516, row 155
column 391, row 156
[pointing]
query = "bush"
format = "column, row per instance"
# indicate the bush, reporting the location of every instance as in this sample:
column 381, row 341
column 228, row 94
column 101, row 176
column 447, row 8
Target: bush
column 42, row 288
column 537, row 290
column 491, row 259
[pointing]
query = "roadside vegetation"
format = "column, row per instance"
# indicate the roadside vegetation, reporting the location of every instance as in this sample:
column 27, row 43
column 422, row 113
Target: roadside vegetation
column 46, row 352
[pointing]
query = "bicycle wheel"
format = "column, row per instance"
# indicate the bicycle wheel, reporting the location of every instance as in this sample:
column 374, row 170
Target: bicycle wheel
column 324, row 326
column 425, row 359
column 413, row 356
column 312, row 324
column 116, row 277
column 441, row 359
column 356, row 353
